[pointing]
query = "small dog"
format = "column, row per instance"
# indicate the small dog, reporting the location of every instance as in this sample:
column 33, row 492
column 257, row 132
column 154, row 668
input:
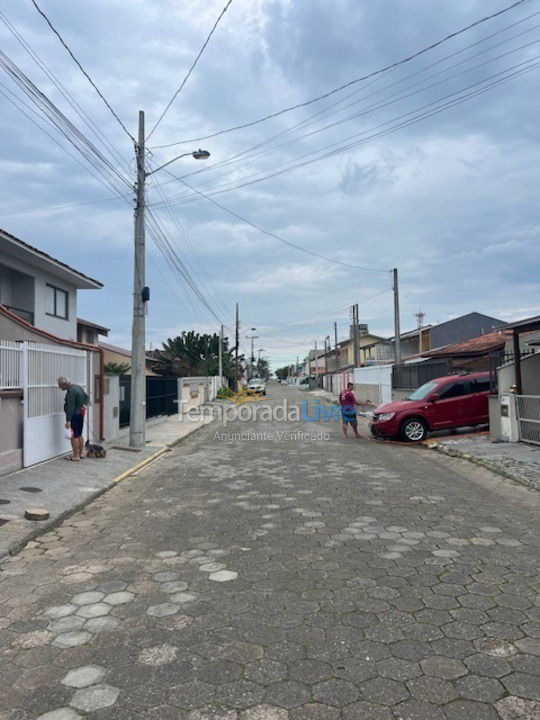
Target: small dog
column 95, row 451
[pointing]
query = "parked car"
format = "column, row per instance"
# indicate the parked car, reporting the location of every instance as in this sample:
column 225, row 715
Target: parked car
column 256, row 386
column 446, row 402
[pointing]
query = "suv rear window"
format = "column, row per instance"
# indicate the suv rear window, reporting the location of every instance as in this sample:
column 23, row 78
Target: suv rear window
column 480, row 385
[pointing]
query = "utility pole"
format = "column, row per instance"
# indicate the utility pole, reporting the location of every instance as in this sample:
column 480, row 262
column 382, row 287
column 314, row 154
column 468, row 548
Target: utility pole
column 251, row 357
column 220, row 370
column 420, row 323
column 397, row 331
column 356, row 359
column 336, row 347
column 297, row 366
column 237, row 341
column 137, row 420
column 316, row 367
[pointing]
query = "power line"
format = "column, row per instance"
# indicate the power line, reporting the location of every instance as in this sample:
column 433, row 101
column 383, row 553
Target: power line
column 184, row 81
column 277, row 237
column 376, row 131
column 372, row 74
column 87, row 76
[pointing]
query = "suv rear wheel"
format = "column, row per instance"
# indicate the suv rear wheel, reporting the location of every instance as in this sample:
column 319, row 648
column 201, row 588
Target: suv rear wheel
column 413, row 430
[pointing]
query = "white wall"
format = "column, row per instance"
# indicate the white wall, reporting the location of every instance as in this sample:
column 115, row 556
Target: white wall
column 530, row 375
column 379, row 376
column 66, row 329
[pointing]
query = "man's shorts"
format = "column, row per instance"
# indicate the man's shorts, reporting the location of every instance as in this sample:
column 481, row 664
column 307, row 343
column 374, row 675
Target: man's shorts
column 349, row 416
column 77, row 422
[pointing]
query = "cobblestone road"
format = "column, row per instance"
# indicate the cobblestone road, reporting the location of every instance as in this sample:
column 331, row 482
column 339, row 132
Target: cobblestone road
column 281, row 579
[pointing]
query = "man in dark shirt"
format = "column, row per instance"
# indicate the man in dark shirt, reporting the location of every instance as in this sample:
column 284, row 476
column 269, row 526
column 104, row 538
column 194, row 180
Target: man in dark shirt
column 75, row 401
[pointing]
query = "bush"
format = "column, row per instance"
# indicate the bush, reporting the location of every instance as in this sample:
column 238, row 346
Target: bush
column 224, row 392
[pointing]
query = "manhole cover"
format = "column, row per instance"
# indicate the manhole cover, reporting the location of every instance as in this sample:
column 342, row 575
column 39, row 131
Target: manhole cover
column 4, row 502
column 31, row 489
column 3, row 522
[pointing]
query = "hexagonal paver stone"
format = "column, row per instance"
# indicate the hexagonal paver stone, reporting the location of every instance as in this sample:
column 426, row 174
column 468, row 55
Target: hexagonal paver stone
column 174, row 586
column 166, row 554
column 101, row 624
column 87, row 598
column 443, row 667
column 223, row 576
column 287, row 694
column 525, row 686
column 64, row 713
column 191, row 695
column 95, row 698
column 84, row 676
column 66, row 624
column 367, row 710
column 384, row 692
column 529, row 645
column 315, row 711
column 335, row 692
column 163, row 609
column 418, row 710
column 158, row 655
column 219, row 672
column 515, row 708
column 397, row 669
column 309, row 671
column 71, row 639
column 475, row 687
column 118, row 598
column 264, row 712
column 240, row 694
column 184, row 597
column 93, row 611
column 460, row 709
column 59, row 611
column 112, row 586
column 163, row 577
column 432, row 690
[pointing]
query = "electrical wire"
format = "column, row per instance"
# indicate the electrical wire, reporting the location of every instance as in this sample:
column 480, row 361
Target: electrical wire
column 372, row 74
column 418, row 114
column 184, row 81
column 334, row 261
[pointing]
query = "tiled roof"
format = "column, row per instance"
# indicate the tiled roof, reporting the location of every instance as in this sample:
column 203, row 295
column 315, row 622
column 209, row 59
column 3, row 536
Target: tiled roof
column 87, row 323
column 481, row 345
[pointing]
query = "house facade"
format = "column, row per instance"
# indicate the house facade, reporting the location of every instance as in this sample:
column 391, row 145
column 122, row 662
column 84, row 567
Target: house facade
column 40, row 289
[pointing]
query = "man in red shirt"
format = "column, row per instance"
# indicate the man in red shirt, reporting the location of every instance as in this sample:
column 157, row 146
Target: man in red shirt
column 348, row 402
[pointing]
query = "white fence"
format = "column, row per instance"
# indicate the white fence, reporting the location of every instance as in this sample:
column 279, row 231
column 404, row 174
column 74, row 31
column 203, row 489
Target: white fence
column 377, row 377
column 10, row 365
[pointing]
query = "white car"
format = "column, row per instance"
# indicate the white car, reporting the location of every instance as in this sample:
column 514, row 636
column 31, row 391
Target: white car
column 256, row 386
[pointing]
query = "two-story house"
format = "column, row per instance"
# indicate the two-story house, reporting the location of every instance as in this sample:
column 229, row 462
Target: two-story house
column 40, row 289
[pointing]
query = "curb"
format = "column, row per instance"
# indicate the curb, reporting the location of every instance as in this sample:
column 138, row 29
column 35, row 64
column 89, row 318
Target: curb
column 453, row 452
column 47, row 525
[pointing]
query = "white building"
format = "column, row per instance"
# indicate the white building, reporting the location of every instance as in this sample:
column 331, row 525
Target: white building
column 40, row 289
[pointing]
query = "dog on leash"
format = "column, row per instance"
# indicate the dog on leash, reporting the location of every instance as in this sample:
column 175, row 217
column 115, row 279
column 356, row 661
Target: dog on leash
column 95, row 451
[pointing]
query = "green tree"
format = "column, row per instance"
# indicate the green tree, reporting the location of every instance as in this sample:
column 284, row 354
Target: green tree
column 112, row 368
column 261, row 369
column 283, row 373
column 194, row 355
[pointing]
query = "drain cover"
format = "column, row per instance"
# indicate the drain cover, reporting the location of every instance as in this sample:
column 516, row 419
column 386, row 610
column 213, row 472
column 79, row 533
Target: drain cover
column 31, row 489
column 4, row 502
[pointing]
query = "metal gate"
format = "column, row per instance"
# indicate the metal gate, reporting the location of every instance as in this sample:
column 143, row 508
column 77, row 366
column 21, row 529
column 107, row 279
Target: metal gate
column 528, row 415
column 43, row 401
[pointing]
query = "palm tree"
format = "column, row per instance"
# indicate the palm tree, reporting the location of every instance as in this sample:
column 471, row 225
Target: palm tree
column 193, row 355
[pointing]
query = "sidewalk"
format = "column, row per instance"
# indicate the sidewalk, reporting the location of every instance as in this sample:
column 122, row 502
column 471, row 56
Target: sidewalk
column 63, row 488
column 517, row 461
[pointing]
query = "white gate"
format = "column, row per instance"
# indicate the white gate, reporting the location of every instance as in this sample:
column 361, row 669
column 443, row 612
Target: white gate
column 44, row 417
column 528, row 414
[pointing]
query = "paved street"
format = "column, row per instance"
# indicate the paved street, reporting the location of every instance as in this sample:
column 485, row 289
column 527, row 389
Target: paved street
column 279, row 578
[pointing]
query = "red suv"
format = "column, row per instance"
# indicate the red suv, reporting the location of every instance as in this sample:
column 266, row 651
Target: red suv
column 446, row 402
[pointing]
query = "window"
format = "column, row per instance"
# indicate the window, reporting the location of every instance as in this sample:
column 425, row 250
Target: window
column 478, row 386
column 456, row 389
column 421, row 392
column 56, row 302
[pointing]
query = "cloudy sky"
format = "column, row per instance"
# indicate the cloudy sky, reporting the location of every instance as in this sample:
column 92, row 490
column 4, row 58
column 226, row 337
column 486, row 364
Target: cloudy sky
column 432, row 166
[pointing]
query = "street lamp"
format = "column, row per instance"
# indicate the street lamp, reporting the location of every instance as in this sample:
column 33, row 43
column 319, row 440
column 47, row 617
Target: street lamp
column 141, row 294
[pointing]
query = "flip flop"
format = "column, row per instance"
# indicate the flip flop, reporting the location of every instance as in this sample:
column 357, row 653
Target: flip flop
column 71, row 459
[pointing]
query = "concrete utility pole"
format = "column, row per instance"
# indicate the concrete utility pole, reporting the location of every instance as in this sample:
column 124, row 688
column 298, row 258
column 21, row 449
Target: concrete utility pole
column 220, row 370
column 420, row 322
column 397, row 331
column 297, row 366
column 356, row 359
column 237, row 341
column 336, row 347
column 316, row 367
column 252, row 357
column 137, row 422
